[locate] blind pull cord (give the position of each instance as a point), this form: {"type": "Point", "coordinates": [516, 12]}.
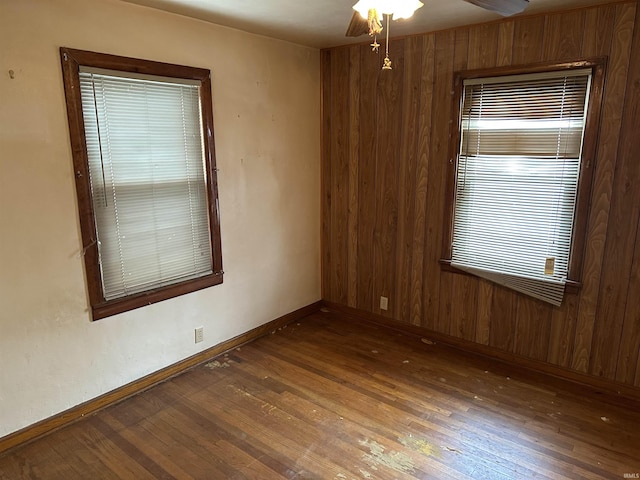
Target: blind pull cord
{"type": "Point", "coordinates": [95, 107]}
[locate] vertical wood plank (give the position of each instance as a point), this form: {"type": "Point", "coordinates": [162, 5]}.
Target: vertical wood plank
{"type": "Point", "coordinates": [621, 234]}
{"type": "Point", "coordinates": [407, 178]}
{"type": "Point", "coordinates": [620, 33]}
{"type": "Point", "coordinates": [367, 195]}
{"type": "Point", "coordinates": [598, 29]}
{"type": "Point", "coordinates": [464, 307]}
{"type": "Point", "coordinates": [483, 46]}
{"type": "Point", "coordinates": [630, 345]}
{"type": "Point", "coordinates": [563, 328]}
{"type": "Point", "coordinates": [443, 321]}
{"type": "Point", "coordinates": [626, 371]}
{"type": "Point", "coordinates": [423, 156]}
{"type": "Point", "coordinates": [389, 121]}
{"type": "Point", "coordinates": [505, 43]}
{"type": "Point", "coordinates": [483, 313]}
{"type": "Point", "coordinates": [503, 319]}
{"type": "Point", "coordinates": [339, 173]}
{"type": "Point", "coordinates": [325, 65]}
{"type": "Point", "coordinates": [563, 35]}
{"type": "Point", "coordinates": [354, 157]}
{"type": "Point", "coordinates": [528, 40]}
{"type": "Point", "coordinates": [532, 333]}
{"type": "Point", "coordinates": [439, 161]}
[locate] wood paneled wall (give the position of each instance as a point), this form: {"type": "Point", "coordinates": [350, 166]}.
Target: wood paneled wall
{"type": "Point", "coordinates": [385, 162]}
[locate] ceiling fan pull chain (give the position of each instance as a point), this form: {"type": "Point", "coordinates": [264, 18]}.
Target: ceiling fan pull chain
{"type": "Point", "coordinates": [386, 65]}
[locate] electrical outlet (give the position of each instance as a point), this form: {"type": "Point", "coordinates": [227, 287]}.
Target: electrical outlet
{"type": "Point", "coordinates": [384, 303]}
{"type": "Point", "coordinates": [199, 334]}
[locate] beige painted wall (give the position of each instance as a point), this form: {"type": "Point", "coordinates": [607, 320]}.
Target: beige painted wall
{"type": "Point", "coordinates": [267, 129]}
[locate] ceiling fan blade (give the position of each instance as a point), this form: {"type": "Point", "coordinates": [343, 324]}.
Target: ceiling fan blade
{"type": "Point", "coordinates": [505, 8]}
{"type": "Point", "coordinates": [358, 26]}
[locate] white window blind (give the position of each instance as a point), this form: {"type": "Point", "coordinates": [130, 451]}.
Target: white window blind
{"type": "Point", "coordinates": [517, 179]}
{"type": "Point", "coordinates": [148, 180]}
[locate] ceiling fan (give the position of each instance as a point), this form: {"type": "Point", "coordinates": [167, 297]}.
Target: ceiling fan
{"type": "Point", "coordinates": [369, 14]}
{"type": "Point", "coordinates": [361, 22]}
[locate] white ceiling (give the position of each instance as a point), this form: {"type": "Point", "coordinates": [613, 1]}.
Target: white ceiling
{"type": "Point", "coordinates": [322, 23]}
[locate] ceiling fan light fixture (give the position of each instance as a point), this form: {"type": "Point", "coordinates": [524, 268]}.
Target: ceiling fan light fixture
{"type": "Point", "coordinates": [374, 10]}
{"type": "Point", "coordinates": [396, 8]}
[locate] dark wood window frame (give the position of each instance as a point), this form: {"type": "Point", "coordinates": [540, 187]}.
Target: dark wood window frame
{"type": "Point", "coordinates": [589, 153]}
{"type": "Point", "coordinates": [72, 60]}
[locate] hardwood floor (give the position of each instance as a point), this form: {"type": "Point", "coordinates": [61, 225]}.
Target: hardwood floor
{"type": "Point", "coordinates": [333, 398]}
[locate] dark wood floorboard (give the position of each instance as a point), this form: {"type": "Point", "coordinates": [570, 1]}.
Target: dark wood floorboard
{"type": "Point", "coordinates": [335, 398]}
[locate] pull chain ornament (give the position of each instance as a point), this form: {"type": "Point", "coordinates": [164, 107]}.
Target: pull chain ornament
{"type": "Point", "coordinates": [386, 64]}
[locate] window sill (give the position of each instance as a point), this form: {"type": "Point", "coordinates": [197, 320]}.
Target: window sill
{"type": "Point", "coordinates": [121, 305]}
{"type": "Point", "coordinates": [445, 265]}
